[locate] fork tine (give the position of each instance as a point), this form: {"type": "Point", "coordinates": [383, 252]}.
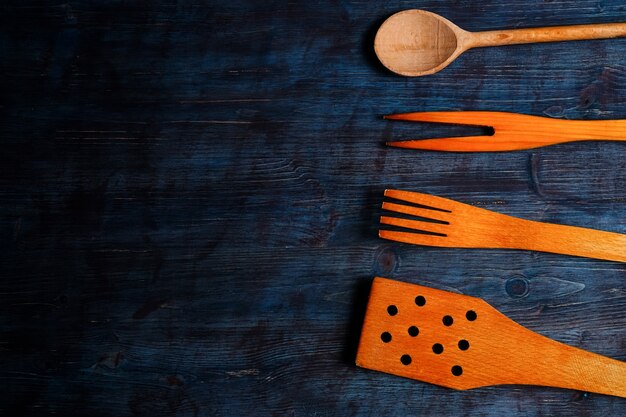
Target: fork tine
{"type": "Point", "coordinates": [467, 118]}
{"type": "Point", "coordinates": [437, 203]}
{"type": "Point", "coordinates": [413, 238]}
{"type": "Point", "coordinates": [429, 227]}
{"type": "Point", "coordinates": [415, 211]}
{"type": "Point", "coordinates": [453, 144]}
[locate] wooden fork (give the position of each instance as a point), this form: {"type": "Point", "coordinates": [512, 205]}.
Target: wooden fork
{"type": "Point", "coordinates": [458, 225]}
{"type": "Point", "coordinates": [511, 131]}
{"type": "Point", "coordinates": [462, 342]}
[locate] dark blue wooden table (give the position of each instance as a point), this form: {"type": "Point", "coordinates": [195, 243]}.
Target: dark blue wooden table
{"type": "Point", "coordinates": [190, 194]}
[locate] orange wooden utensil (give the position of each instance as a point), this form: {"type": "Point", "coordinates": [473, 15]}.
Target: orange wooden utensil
{"type": "Point", "coordinates": [417, 42]}
{"type": "Point", "coordinates": [512, 131]}
{"type": "Point", "coordinates": [447, 223]}
{"type": "Point", "coordinates": [462, 342]}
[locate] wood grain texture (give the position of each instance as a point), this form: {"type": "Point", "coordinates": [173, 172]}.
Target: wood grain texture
{"type": "Point", "coordinates": [190, 194]}
{"type": "Point", "coordinates": [462, 342]}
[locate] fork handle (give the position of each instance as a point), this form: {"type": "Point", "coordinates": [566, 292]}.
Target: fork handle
{"type": "Point", "coordinates": [572, 240]}
{"type": "Point", "coordinates": [570, 130]}
{"type": "Point", "coordinates": [526, 132]}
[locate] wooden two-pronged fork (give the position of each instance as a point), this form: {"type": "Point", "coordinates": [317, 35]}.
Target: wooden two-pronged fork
{"type": "Point", "coordinates": [511, 131]}
{"type": "Point", "coordinates": [448, 223]}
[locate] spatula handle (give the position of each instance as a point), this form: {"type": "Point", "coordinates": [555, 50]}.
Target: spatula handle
{"type": "Point", "coordinates": [587, 371]}
{"type": "Point", "coordinates": [551, 363]}
{"type": "Point", "coordinates": [571, 240]}
{"type": "Point", "coordinates": [547, 34]}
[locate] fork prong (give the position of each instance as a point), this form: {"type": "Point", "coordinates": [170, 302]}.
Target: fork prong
{"type": "Point", "coordinates": [413, 238]}
{"type": "Point", "coordinates": [467, 118]}
{"type": "Point", "coordinates": [416, 211]}
{"type": "Point", "coordinates": [437, 203]}
{"type": "Point", "coordinates": [429, 227]}
{"type": "Point", "coordinates": [456, 144]}
{"type": "Point", "coordinates": [510, 131]}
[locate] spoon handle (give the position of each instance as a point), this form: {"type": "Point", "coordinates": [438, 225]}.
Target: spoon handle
{"type": "Point", "coordinates": [546, 34]}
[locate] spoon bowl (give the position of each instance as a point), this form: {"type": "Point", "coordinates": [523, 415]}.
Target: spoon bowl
{"type": "Point", "coordinates": [417, 42]}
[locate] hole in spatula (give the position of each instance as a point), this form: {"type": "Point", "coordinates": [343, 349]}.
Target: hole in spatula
{"type": "Point", "coordinates": [464, 344]}
{"type": "Point", "coordinates": [438, 348]}
{"type": "Point", "coordinates": [413, 331]}
{"type": "Point", "coordinates": [406, 360]}
{"type": "Point", "coordinates": [420, 301]}
{"type": "Point", "coordinates": [457, 370]}
{"type": "Point", "coordinates": [447, 320]}
{"type": "Point", "coordinates": [471, 315]}
{"type": "Point", "coordinates": [385, 337]}
{"type": "Point", "coordinates": [392, 310]}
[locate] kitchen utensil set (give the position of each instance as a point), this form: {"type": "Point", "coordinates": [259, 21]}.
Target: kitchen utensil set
{"type": "Point", "coordinates": [455, 340]}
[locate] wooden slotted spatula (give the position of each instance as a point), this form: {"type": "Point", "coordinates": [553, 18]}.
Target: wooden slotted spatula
{"type": "Point", "coordinates": [462, 342]}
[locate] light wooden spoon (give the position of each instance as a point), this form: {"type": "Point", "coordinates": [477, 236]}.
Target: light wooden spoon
{"type": "Point", "coordinates": [417, 42]}
{"type": "Point", "coordinates": [462, 342]}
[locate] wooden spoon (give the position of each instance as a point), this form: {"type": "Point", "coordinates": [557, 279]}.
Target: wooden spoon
{"type": "Point", "coordinates": [417, 42]}
{"type": "Point", "coordinates": [462, 342]}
